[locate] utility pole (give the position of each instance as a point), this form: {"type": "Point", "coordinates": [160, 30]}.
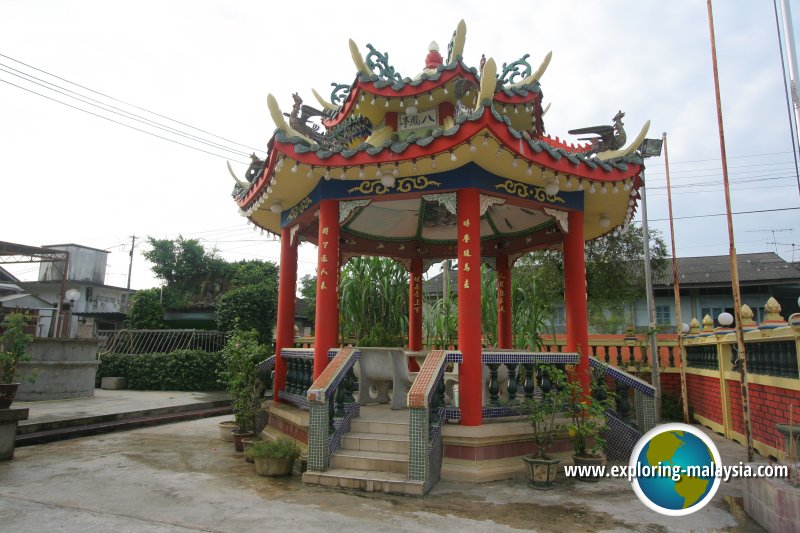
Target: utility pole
{"type": "Point", "coordinates": [788, 35]}
{"type": "Point", "coordinates": [676, 285]}
{"type": "Point", "coordinates": [130, 263]}
{"type": "Point", "coordinates": [650, 148]}
{"type": "Point", "coordinates": [737, 297]}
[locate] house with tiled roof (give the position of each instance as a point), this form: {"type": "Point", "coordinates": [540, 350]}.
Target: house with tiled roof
{"type": "Point", "coordinates": [705, 287]}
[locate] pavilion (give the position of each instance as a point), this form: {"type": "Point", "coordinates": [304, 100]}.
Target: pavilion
{"type": "Point", "coordinates": [452, 163]}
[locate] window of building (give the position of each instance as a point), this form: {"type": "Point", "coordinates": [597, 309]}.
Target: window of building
{"type": "Point", "coordinates": [663, 315]}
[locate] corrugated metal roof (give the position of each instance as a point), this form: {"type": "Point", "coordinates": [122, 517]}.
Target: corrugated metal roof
{"type": "Point", "coordinates": [436, 284]}
{"type": "Point", "coordinates": [754, 269]}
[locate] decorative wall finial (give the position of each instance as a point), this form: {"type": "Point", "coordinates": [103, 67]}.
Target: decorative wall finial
{"type": "Point", "coordinates": [708, 324]}
{"type": "Point", "coordinates": [748, 323]}
{"type": "Point", "coordinates": [694, 327]}
{"type": "Point", "coordinates": [772, 318]}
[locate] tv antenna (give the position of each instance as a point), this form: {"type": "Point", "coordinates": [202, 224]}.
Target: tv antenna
{"type": "Point", "coordinates": [774, 241]}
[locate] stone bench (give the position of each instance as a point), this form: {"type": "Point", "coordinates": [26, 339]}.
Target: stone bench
{"type": "Point", "coordinates": [380, 369]}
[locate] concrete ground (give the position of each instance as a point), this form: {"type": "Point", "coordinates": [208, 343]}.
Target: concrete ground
{"type": "Point", "coordinates": [183, 477]}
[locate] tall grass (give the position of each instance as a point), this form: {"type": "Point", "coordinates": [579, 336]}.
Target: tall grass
{"type": "Point", "coordinates": [373, 304]}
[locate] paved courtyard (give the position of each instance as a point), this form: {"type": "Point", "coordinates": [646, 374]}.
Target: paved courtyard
{"type": "Point", "coordinates": [182, 477]}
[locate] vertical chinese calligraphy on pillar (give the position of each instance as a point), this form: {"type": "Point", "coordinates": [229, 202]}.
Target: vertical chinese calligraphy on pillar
{"type": "Point", "coordinates": [327, 312]}
{"type": "Point", "coordinates": [415, 306]}
{"type": "Point", "coordinates": [504, 333]}
{"type": "Point", "coordinates": [469, 307]}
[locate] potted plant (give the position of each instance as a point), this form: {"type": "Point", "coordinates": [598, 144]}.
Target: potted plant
{"type": "Point", "coordinates": [226, 429]}
{"type": "Point", "coordinates": [274, 458]}
{"type": "Point", "coordinates": [241, 354]}
{"type": "Point", "coordinates": [587, 423]}
{"type": "Point", "coordinates": [13, 350]}
{"type": "Point", "coordinates": [544, 417]}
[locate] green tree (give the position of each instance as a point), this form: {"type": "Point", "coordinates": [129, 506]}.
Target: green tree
{"type": "Point", "coordinates": [254, 272]}
{"type": "Point", "coordinates": [195, 276]}
{"type": "Point", "coordinates": [308, 290]}
{"type": "Point", "coordinates": [249, 307]}
{"type": "Point", "coordinates": [615, 276]}
{"type": "Point", "coordinates": [146, 311]}
{"type": "Point", "coordinates": [180, 263]}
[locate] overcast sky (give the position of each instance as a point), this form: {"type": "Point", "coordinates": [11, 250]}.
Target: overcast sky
{"type": "Point", "coordinates": [69, 176]}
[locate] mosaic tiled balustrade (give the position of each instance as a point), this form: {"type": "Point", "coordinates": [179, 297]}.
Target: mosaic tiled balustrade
{"type": "Point", "coordinates": [408, 451]}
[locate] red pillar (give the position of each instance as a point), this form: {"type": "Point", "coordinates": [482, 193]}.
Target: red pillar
{"type": "Point", "coordinates": [326, 325]}
{"type": "Point", "coordinates": [287, 287]}
{"type": "Point", "coordinates": [575, 295]}
{"type": "Point", "coordinates": [469, 307]}
{"type": "Point", "coordinates": [505, 338]}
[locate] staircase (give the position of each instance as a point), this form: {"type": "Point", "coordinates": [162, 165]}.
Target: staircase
{"type": "Point", "coordinates": [373, 456]}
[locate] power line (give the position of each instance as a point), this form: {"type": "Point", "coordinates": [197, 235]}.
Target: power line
{"type": "Point", "coordinates": [716, 188]}
{"type": "Point", "coordinates": [747, 179]}
{"type": "Point", "coordinates": [131, 105]}
{"type": "Point", "coordinates": [716, 169]}
{"type": "Point", "coordinates": [118, 122]}
{"type": "Point", "coordinates": [724, 214]}
{"type": "Point", "coordinates": [111, 109]}
{"type": "Point", "coordinates": [655, 163]}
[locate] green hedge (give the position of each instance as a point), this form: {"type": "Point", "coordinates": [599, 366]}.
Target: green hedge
{"type": "Point", "coordinates": [188, 370]}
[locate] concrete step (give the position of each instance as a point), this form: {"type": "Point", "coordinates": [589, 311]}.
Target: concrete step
{"type": "Point", "coordinates": [97, 425]}
{"type": "Point", "coordinates": [81, 420]}
{"type": "Point", "coordinates": [361, 425]}
{"type": "Point", "coordinates": [375, 442]}
{"type": "Point", "coordinates": [366, 460]}
{"type": "Point", "coordinates": [366, 480]}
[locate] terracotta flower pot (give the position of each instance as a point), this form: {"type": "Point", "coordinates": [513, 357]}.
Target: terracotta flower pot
{"type": "Point", "coordinates": [8, 391]}
{"type": "Point", "coordinates": [237, 439]}
{"type": "Point", "coordinates": [226, 430]}
{"type": "Point", "coordinates": [588, 461]}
